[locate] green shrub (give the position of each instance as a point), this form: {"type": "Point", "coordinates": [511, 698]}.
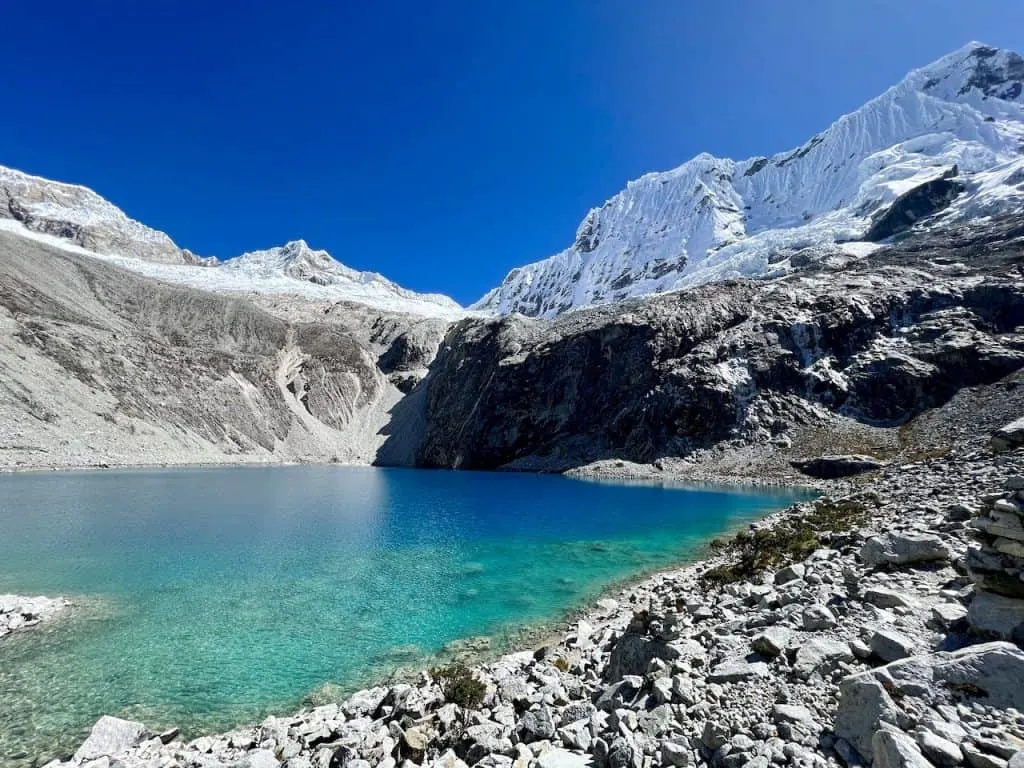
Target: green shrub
{"type": "Point", "coordinates": [787, 541]}
{"type": "Point", "coordinates": [460, 685]}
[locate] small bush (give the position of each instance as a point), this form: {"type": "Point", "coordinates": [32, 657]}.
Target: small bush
{"type": "Point", "coordinates": [785, 542]}
{"type": "Point", "coordinates": [460, 685]}
{"type": "Point", "coordinates": [561, 664]}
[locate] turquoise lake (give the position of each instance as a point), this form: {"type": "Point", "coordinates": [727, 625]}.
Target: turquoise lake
{"type": "Point", "coordinates": [207, 598]}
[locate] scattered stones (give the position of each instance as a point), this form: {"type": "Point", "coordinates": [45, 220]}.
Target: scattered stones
{"type": "Point", "coordinates": [938, 750]}
{"type": "Point", "coordinates": [996, 615]}
{"type": "Point", "coordinates": [889, 645]}
{"type": "Point", "coordinates": [1008, 436]}
{"type": "Point", "coordinates": [893, 749]}
{"type": "Point", "coordinates": [737, 671]}
{"type": "Point", "coordinates": [821, 656]}
{"type": "Point", "coordinates": [818, 617]}
{"type": "Point", "coordinates": [111, 736]}
{"type": "Point", "coordinates": [772, 641]}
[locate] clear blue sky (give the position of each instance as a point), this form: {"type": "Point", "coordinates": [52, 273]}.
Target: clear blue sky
{"type": "Point", "coordinates": [438, 142]}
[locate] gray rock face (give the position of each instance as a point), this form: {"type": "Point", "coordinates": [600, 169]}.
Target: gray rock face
{"type": "Point", "coordinates": [737, 671]}
{"type": "Point", "coordinates": [997, 615]}
{"type": "Point", "coordinates": [535, 725]}
{"type": "Point", "coordinates": [940, 751]}
{"type": "Point", "coordinates": [995, 669]}
{"type": "Point", "coordinates": [110, 737]}
{"type": "Point", "coordinates": [632, 654]}
{"type": "Point", "coordinates": [918, 203]}
{"type": "Point", "coordinates": [1009, 436]}
{"type": "Point", "coordinates": [818, 617]}
{"type": "Point", "coordinates": [772, 641]}
{"type": "Point", "coordinates": [117, 368]}
{"type": "Point", "coordinates": [820, 655]}
{"type": "Point", "coordinates": [904, 549]}
{"type": "Point", "coordinates": [889, 645]}
{"type": "Point", "coordinates": [896, 750]}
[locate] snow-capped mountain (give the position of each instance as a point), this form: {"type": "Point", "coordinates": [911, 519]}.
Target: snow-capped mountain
{"type": "Point", "coordinates": [75, 217]}
{"type": "Point", "coordinates": [82, 217]}
{"type": "Point", "coordinates": [296, 261]}
{"type": "Point", "coordinates": [713, 218]}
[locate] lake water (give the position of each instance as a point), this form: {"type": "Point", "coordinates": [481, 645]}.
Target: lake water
{"type": "Point", "coordinates": [209, 598]}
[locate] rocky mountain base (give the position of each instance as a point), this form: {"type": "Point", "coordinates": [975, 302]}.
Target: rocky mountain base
{"type": "Point", "coordinates": [843, 631]}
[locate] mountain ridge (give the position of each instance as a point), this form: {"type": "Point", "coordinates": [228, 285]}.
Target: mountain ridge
{"type": "Point", "coordinates": [713, 218]}
{"type": "Point", "coordinates": [72, 215]}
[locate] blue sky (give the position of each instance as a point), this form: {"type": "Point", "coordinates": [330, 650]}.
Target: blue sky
{"type": "Point", "coordinates": [438, 142]}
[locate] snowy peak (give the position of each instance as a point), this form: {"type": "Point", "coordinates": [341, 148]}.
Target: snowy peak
{"type": "Point", "coordinates": [714, 218]}
{"type": "Point", "coordinates": [976, 69]}
{"type": "Point", "coordinates": [82, 217]}
{"type": "Point", "coordinates": [296, 261]}
{"type": "Point", "coordinates": [75, 217]}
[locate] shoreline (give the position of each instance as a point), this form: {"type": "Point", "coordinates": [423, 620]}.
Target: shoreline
{"type": "Point", "coordinates": [533, 638]}
{"type": "Point", "coordinates": [525, 636]}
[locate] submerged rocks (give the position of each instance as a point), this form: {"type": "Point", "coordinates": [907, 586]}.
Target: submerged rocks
{"type": "Point", "coordinates": [17, 612]}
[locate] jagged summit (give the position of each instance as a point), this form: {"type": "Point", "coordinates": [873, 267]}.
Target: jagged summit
{"type": "Point", "coordinates": [714, 218]}
{"type": "Point", "coordinates": [296, 260]}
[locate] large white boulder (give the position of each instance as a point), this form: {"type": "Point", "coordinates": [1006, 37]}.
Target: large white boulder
{"type": "Point", "coordinates": [111, 736]}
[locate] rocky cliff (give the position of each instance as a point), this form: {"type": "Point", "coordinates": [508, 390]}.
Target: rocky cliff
{"type": "Point", "coordinates": [848, 351]}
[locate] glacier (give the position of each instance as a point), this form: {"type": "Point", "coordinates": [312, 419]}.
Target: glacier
{"type": "Point", "coordinates": [713, 219]}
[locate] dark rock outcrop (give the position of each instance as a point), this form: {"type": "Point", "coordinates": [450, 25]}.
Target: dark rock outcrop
{"type": "Point", "coordinates": [912, 206]}
{"type": "Point", "coordinates": [877, 343]}
{"type": "Point", "coordinates": [831, 467]}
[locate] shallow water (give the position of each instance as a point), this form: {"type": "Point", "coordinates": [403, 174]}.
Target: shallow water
{"type": "Point", "coordinates": [208, 598]}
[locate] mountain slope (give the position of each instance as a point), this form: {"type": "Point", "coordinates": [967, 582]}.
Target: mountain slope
{"type": "Point", "coordinates": [82, 217]}
{"type": "Point", "coordinates": [101, 365]}
{"type": "Point", "coordinates": [713, 218]}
